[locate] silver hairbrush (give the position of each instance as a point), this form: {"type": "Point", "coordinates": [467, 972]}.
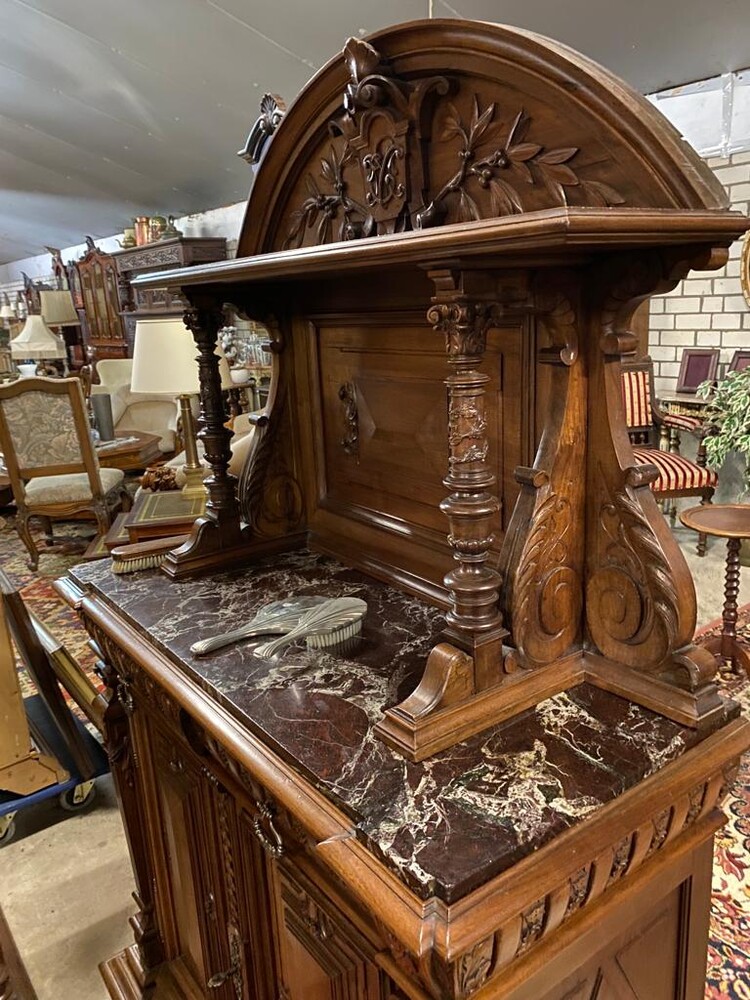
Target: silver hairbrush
{"type": "Point", "coordinates": [275, 618]}
{"type": "Point", "coordinates": [337, 620]}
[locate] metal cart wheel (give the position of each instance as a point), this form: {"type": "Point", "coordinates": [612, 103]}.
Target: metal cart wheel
{"type": "Point", "coordinates": [78, 798]}
{"type": "Point", "coordinates": [7, 828]}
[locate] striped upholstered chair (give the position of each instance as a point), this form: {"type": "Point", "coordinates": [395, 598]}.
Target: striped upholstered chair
{"type": "Point", "coordinates": [678, 476]}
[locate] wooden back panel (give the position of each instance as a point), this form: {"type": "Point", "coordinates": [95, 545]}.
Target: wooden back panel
{"type": "Point", "coordinates": [375, 412]}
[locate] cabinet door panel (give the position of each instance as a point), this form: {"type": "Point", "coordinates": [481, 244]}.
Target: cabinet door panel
{"type": "Point", "coordinates": [397, 374]}
{"type": "Point", "coordinates": [188, 812]}
{"type": "Point", "coordinates": [260, 949]}
{"type": "Point", "coordinates": [322, 955]}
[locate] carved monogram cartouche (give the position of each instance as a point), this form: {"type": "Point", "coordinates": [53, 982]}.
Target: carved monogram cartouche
{"type": "Point", "coordinates": [375, 176]}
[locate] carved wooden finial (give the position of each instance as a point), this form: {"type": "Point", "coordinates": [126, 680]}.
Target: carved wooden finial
{"type": "Point", "coordinates": [272, 110]}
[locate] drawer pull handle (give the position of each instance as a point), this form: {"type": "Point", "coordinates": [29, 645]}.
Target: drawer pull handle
{"type": "Point", "coordinates": [219, 978]}
{"type": "Point", "coordinates": [272, 844]}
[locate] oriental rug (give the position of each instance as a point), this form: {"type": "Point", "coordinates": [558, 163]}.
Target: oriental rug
{"type": "Point", "coordinates": [729, 944]}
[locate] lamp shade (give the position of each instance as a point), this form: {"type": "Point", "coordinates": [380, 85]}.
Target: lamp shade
{"type": "Point", "coordinates": [7, 311]}
{"type": "Point", "coordinates": [36, 340]}
{"type": "Point", "coordinates": [58, 309]}
{"type": "Point", "coordinates": [164, 358]}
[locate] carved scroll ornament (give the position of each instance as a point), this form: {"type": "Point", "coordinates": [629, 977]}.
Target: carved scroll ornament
{"type": "Point", "coordinates": [272, 110]}
{"type": "Point", "coordinates": [640, 601]}
{"type": "Point", "coordinates": [633, 589]}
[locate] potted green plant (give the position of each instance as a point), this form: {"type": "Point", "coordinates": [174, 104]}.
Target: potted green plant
{"type": "Point", "coordinates": [727, 427]}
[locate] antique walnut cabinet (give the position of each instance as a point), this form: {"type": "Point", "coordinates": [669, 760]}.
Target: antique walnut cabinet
{"type": "Point", "coordinates": [509, 785]}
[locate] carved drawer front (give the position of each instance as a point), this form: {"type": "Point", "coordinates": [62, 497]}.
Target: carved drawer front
{"type": "Point", "coordinates": [385, 413]}
{"type": "Point", "coordinates": [193, 845]}
{"type": "Point", "coordinates": [323, 955]}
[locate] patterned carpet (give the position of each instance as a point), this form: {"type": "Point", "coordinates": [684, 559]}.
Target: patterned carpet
{"type": "Point", "coordinates": [729, 947]}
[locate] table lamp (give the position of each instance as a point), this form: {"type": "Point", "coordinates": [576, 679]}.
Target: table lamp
{"type": "Point", "coordinates": [7, 312]}
{"type": "Point", "coordinates": [36, 342]}
{"type": "Point", "coordinates": [164, 363]}
{"type": "Point", "coordinates": [57, 308]}
{"type": "Point", "coordinates": [7, 317]}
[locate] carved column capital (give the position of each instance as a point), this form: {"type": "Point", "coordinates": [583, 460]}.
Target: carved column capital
{"type": "Point", "coordinates": [464, 323]}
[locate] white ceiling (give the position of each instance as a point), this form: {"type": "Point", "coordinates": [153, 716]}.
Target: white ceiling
{"type": "Point", "coordinates": [113, 108]}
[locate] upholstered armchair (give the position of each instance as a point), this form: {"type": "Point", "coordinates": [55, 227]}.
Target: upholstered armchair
{"type": "Point", "coordinates": [50, 460]}
{"type": "Point", "coordinates": [135, 411]}
{"type": "Point", "coordinates": [678, 476]}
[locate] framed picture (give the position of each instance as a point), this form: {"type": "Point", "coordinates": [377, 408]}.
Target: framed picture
{"type": "Point", "coordinates": [699, 364]}
{"type": "Point", "coordinates": [740, 361]}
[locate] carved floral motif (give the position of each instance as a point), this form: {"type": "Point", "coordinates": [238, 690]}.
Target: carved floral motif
{"type": "Point", "coordinates": [375, 180]}
{"type": "Point", "coordinates": [474, 967]}
{"type": "Point", "coordinates": [513, 160]}
{"type": "Point", "coordinates": [620, 858]}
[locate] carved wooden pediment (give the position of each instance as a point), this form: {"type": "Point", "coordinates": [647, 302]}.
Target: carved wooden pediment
{"type": "Point", "coordinates": [394, 139]}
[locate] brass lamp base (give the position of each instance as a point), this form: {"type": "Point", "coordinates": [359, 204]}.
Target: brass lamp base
{"type": "Point", "coordinates": [193, 481]}
{"type": "Point", "coordinates": [192, 469]}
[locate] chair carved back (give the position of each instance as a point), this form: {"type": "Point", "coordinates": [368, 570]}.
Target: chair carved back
{"type": "Point", "coordinates": [637, 381]}
{"type": "Point", "coordinates": [44, 431]}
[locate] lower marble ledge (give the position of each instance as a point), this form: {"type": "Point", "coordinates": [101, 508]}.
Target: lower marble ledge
{"type": "Point", "coordinates": [445, 825]}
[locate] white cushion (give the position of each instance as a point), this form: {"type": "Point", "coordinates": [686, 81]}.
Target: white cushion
{"type": "Point", "coordinates": [71, 488]}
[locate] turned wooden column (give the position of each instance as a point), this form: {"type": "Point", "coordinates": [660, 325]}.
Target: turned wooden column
{"type": "Point", "coordinates": [220, 530]}
{"type": "Point", "coordinates": [204, 321]}
{"type": "Point", "coordinates": [474, 622]}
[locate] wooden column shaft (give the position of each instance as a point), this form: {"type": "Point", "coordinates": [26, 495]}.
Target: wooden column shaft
{"type": "Point", "coordinates": [474, 622]}
{"type": "Point", "coordinates": [204, 322]}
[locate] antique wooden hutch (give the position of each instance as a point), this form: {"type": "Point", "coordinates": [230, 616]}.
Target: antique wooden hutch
{"type": "Point", "coordinates": [509, 789]}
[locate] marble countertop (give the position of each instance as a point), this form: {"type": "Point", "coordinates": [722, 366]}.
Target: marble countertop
{"type": "Point", "coordinates": [445, 825]}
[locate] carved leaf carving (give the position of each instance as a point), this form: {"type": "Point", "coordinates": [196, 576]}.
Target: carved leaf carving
{"type": "Point", "coordinates": [392, 160]}
{"type": "Point", "coordinates": [631, 599]}
{"type": "Point", "coordinates": [474, 967]}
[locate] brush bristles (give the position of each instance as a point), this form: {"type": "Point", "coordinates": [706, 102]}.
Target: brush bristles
{"type": "Point", "coordinates": [323, 639]}
{"type": "Point", "coordinates": [134, 565]}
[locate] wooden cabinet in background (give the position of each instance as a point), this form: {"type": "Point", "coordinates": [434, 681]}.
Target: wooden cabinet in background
{"type": "Point", "coordinates": [182, 251]}
{"type": "Point", "coordinates": [93, 284]}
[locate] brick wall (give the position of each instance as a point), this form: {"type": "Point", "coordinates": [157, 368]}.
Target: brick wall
{"type": "Point", "coordinates": [707, 309]}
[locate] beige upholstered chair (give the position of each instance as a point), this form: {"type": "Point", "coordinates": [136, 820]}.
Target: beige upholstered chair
{"type": "Point", "coordinates": [136, 411]}
{"type": "Point", "coordinates": [678, 476]}
{"type": "Point", "coordinates": [51, 463]}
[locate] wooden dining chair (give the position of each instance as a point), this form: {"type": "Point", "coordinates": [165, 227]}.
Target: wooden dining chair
{"type": "Point", "coordinates": [50, 459]}
{"type": "Point", "coordinates": [678, 476]}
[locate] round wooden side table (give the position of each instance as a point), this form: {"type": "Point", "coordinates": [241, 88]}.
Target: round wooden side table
{"type": "Point", "coordinates": [730, 521]}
